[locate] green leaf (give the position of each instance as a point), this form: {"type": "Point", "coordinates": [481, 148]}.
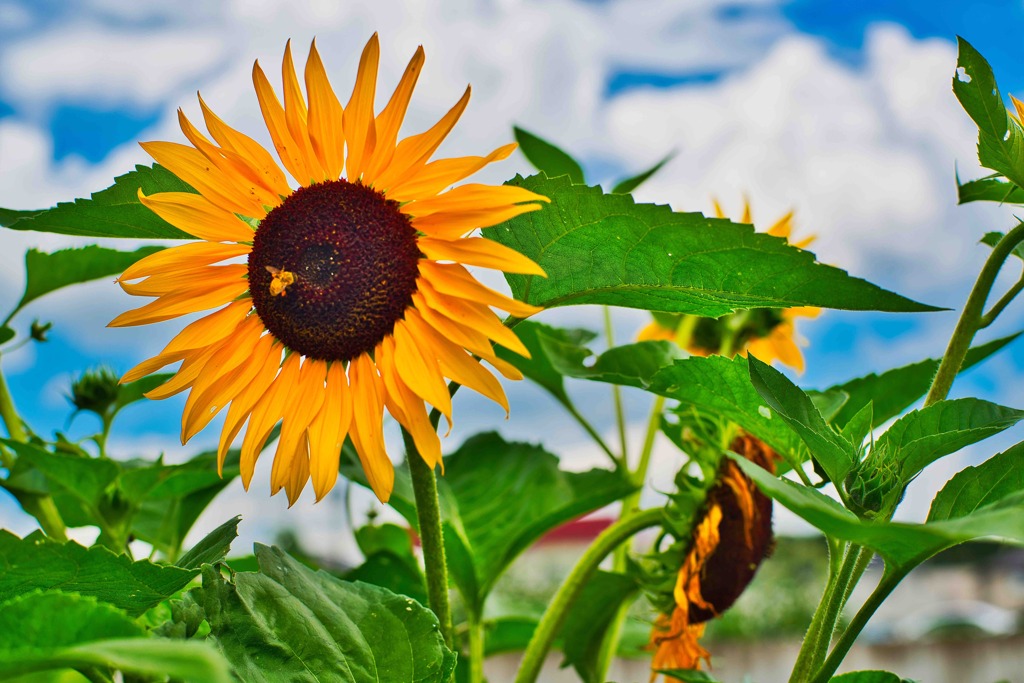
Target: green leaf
{"type": "Point", "coordinates": [508, 634]}
{"type": "Point", "coordinates": [399, 573]}
{"type": "Point", "coordinates": [291, 624]}
{"type": "Point", "coordinates": [54, 630]}
{"type": "Point", "coordinates": [902, 545]}
{"type": "Point", "coordinates": [923, 436]}
{"type": "Point", "coordinates": [46, 273]}
{"type": "Point", "coordinates": [35, 562]}
{"type": "Point", "coordinates": [631, 364]}
{"type": "Point", "coordinates": [991, 239]}
{"type": "Point", "coordinates": [113, 212]}
{"type": "Point", "coordinates": [606, 249]}
{"type": "Point", "coordinates": [83, 478]}
{"type": "Point", "coordinates": [627, 185]}
{"type": "Point", "coordinates": [547, 157]}
{"type": "Point", "coordinates": [6, 334]}
{"type": "Point", "coordinates": [869, 677]}
{"type": "Point", "coordinates": [590, 617]}
{"type": "Point", "coordinates": [1000, 138]}
{"type": "Point", "coordinates": [989, 190]}
{"type": "Point", "coordinates": [136, 391]}
{"type": "Point", "coordinates": [895, 390]}
{"type": "Point", "coordinates": [213, 548]}
{"type": "Point", "coordinates": [374, 538]}
{"type": "Point", "coordinates": [833, 453]}
{"type": "Point", "coordinates": [537, 338]}
{"type": "Point", "coordinates": [688, 675]}
{"type": "Point", "coordinates": [975, 487]}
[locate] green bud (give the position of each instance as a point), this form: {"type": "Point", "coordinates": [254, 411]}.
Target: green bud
{"type": "Point", "coordinates": [875, 487]}
{"type": "Point", "coordinates": [39, 330]}
{"type": "Point", "coordinates": [95, 391]}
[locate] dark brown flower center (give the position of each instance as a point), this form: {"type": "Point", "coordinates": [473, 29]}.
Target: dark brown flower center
{"type": "Point", "coordinates": [332, 269]}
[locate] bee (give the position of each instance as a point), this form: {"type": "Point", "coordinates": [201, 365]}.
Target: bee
{"type": "Point", "coordinates": [282, 279]}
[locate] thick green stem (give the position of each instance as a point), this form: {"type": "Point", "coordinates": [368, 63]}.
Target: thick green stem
{"type": "Point", "coordinates": [9, 413]}
{"type": "Point", "coordinates": [620, 415]}
{"type": "Point", "coordinates": [878, 596]}
{"type": "Point", "coordinates": [428, 514]}
{"type": "Point", "coordinates": [973, 317]}
{"type": "Point", "coordinates": [476, 649]}
{"type": "Point", "coordinates": [555, 614]}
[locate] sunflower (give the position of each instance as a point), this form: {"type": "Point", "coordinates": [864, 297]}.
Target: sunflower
{"type": "Point", "coordinates": [353, 297]}
{"type": "Point", "coordinates": [767, 333]}
{"type": "Point", "coordinates": [730, 538]}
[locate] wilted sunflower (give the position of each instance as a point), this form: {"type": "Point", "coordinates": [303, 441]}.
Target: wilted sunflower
{"type": "Point", "coordinates": [730, 538]}
{"type": "Point", "coordinates": [353, 297]}
{"type": "Point", "coordinates": [767, 333]}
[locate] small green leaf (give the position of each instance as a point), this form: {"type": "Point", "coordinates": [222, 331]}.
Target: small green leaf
{"type": "Point", "coordinates": [991, 189]}
{"type": "Point", "coordinates": [590, 617]}
{"type": "Point", "coordinates": [113, 212]}
{"type": "Point", "coordinates": [991, 239]}
{"type": "Point", "coordinates": [895, 390]}
{"type": "Point", "coordinates": [975, 487]}
{"type": "Point", "coordinates": [6, 334]}
{"type": "Point", "coordinates": [55, 630]}
{"type": "Point", "coordinates": [832, 452]}
{"type": "Point", "coordinates": [46, 273]}
{"type": "Point", "coordinates": [869, 677]}
{"type": "Point", "coordinates": [902, 545]}
{"type": "Point", "coordinates": [547, 157]}
{"type": "Point", "coordinates": [289, 624]}
{"type": "Point", "coordinates": [627, 185]}
{"type": "Point", "coordinates": [136, 391]}
{"type": "Point", "coordinates": [1000, 138]}
{"type": "Point", "coordinates": [508, 634]}
{"type": "Point", "coordinates": [35, 562]}
{"type": "Point", "coordinates": [630, 365]}
{"type": "Point", "coordinates": [213, 548]}
{"type": "Point", "coordinates": [601, 248]}
{"type": "Point", "coordinates": [923, 436]}
{"type": "Point", "coordinates": [688, 675]}
{"type": "Point", "coordinates": [537, 338]}
{"type": "Point", "coordinates": [374, 538]}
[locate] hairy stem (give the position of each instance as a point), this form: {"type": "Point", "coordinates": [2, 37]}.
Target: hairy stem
{"type": "Point", "coordinates": [973, 317]}
{"type": "Point", "coordinates": [476, 649]}
{"type": "Point", "coordinates": [620, 415]}
{"type": "Point", "coordinates": [428, 515]}
{"type": "Point", "coordinates": [555, 614]}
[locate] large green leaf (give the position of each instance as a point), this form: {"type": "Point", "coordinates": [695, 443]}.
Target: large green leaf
{"type": "Point", "coordinates": [290, 624]}
{"type": "Point", "coordinates": [902, 545]}
{"type": "Point", "coordinates": [601, 248]}
{"type": "Point", "coordinates": [923, 436]}
{"type": "Point", "coordinates": [36, 562]}
{"type": "Point", "coordinates": [998, 478]}
{"type": "Point", "coordinates": [547, 157]}
{"type": "Point", "coordinates": [869, 677]}
{"type": "Point", "coordinates": [989, 190]}
{"type": "Point", "coordinates": [830, 450]}
{"type": "Point", "coordinates": [45, 272]}
{"type": "Point", "coordinates": [587, 623]}
{"type": "Point", "coordinates": [537, 337]}
{"type": "Point", "coordinates": [55, 630]}
{"type": "Point", "coordinates": [113, 212]}
{"type": "Point", "coordinates": [895, 390]}
{"type": "Point", "coordinates": [1000, 138]}
{"type": "Point", "coordinates": [214, 547]}
{"type": "Point", "coordinates": [81, 478]}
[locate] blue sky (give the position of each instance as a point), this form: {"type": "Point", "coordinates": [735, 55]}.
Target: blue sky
{"type": "Point", "coordinates": [840, 110]}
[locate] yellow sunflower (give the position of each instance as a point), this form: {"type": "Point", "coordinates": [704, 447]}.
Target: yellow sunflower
{"type": "Point", "coordinates": [768, 333]}
{"type": "Point", "coordinates": [354, 296]}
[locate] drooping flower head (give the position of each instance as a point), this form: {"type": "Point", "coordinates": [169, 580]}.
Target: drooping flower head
{"type": "Point", "coordinates": [354, 296]}
{"type": "Point", "coordinates": [767, 333]}
{"type": "Point", "coordinates": [729, 539]}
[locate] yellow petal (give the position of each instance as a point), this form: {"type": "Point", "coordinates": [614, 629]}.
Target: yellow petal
{"type": "Point", "coordinates": [194, 168]}
{"type": "Point", "coordinates": [454, 280]}
{"type": "Point", "coordinates": [472, 197]}
{"type": "Point", "coordinates": [303, 405]}
{"type": "Point", "coordinates": [183, 257]}
{"type": "Point", "coordinates": [198, 217]}
{"type": "Point", "coordinates": [405, 406]}
{"type": "Point", "coordinates": [718, 208]}
{"type": "Point", "coordinates": [413, 152]}
{"type": "Point", "coordinates": [328, 430]}
{"type": "Point", "coordinates": [195, 280]}
{"type": "Point", "coordinates": [243, 145]}
{"type": "Point", "coordinates": [366, 429]}
{"type": "Point", "coordinates": [151, 365]}
{"type": "Point", "coordinates": [175, 305]}
{"type": "Point", "coordinates": [360, 129]}
{"type": "Point", "coordinates": [782, 227]}
{"type": "Point", "coordinates": [428, 180]}
{"type": "Point", "coordinates": [390, 120]}
{"type": "Point", "coordinates": [479, 251]}
{"type": "Point", "coordinates": [451, 226]}
{"type": "Point", "coordinates": [210, 328]}
{"type": "Point", "coordinates": [190, 368]}
{"type": "Point", "coordinates": [418, 368]}
{"type": "Point", "coordinates": [246, 400]}
{"type": "Point", "coordinates": [747, 217]}
{"type": "Point", "coordinates": [326, 134]}
{"type": "Point", "coordinates": [465, 336]}
{"type": "Point", "coordinates": [265, 414]}
{"type": "Point", "coordinates": [474, 316]}
{"type": "Point", "coordinates": [295, 114]}
{"type": "Point", "coordinates": [298, 472]}
{"type": "Point", "coordinates": [288, 149]}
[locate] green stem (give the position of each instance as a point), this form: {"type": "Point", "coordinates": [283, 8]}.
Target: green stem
{"type": "Point", "coordinates": [476, 649]}
{"type": "Point", "coordinates": [803, 666]}
{"type": "Point", "coordinates": [589, 429]}
{"type": "Point", "coordinates": [882, 590]}
{"type": "Point", "coordinates": [555, 614]}
{"type": "Point", "coordinates": [973, 317]}
{"type": "Point", "coordinates": [428, 514]}
{"type": "Point", "coordinates": [9, 413]}
{"type": "Point", "coordinates": [620, 415]}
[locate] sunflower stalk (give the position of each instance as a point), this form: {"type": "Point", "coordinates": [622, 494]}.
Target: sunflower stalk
{"type": "Point", "coordinates": [556, 613]}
